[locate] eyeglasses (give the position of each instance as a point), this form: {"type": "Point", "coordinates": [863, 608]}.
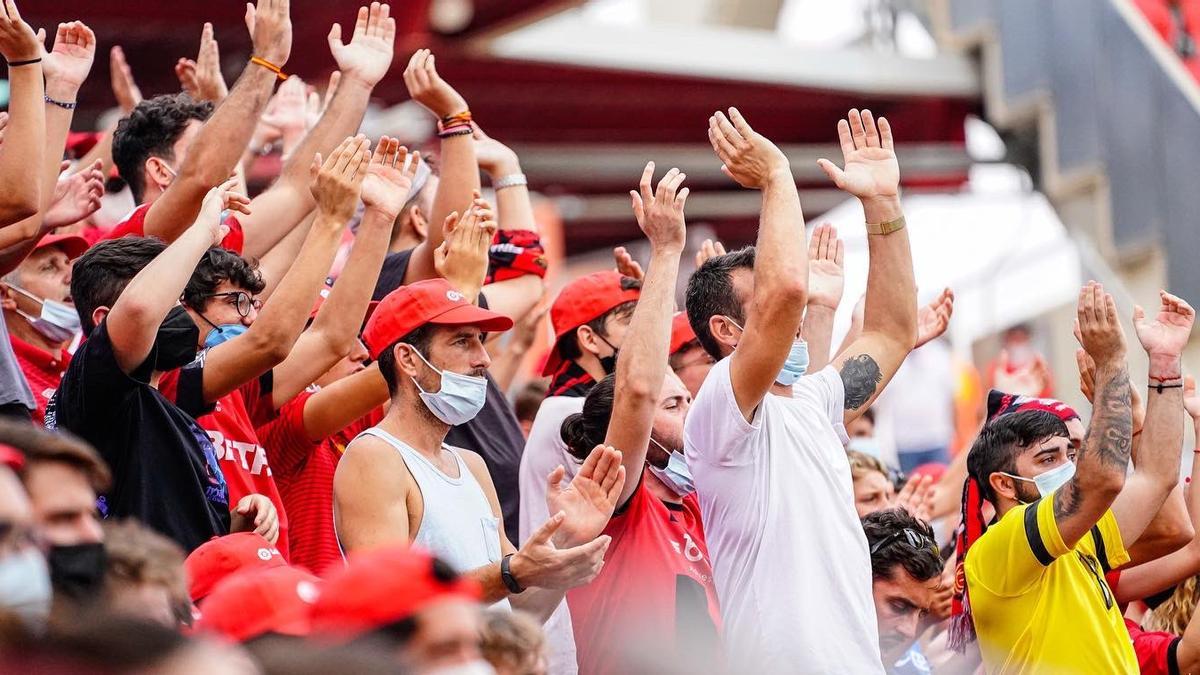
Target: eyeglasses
{"type": "Point", "coordinates": [243, 301]}
{"type": "Point", "coordinates": [912, 537]}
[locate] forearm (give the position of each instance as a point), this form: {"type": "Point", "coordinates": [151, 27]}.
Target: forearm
{"type": "Point", "coordinates": [1104, 456]}
{"type": "Point", "coordinates": [1162, 435]}
{"type": "Point", "coordinates": [337, 406]}
{"type": "Point", "coordinates": [285, 315]}
{"type": "Point", "coordinates": [891, 304]}
{"type": "Point", "coordinates": [275, 264]}
{"type": "Point", "coordinates": [514, 209]}
{"type": "Point", "coordinates": [540, 602]}
{"type": "Point", "coordinates": [781, 257]}
{"type": "Point", "coordinates": [455, 192]}
{"type": "Point", "coordinates": [818, 333]}
{"type": "Point", "coordinates": [24, 145]}
{"type": "Point", "coordinates": [344, 309]}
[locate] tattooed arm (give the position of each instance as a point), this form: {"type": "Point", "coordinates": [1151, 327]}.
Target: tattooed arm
{"type": "Point", "coordinates": [1104, 456]}
{"type": "Point", "coordinates": [1157, 470]}
{"type": "Point", "coordinates": [890, 319]}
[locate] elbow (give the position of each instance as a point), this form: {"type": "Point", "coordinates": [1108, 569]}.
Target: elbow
{"type": "Point", "coordinates": [635, 392]}
{"type": "Point", "coordinates": [272, 345]}
{"type": "Point", "coordinates": [787, 294]}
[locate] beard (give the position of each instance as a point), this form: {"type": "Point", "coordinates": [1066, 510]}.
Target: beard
{"type": "Point", "coordinates": [1027, 493]}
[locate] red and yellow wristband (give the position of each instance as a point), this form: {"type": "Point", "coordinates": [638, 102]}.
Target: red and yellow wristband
{"type": "Point", "coordinates": [259, 61]}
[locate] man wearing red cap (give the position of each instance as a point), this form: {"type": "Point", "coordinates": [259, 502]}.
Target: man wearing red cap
{"type": "Point", "coordinates": [257, 602]}
{"type": "Point", "coordinates": [687, 357]}
{"type": "Point", "coordinates": [221, 557]}
{"type": "Point", "coordinates": [400, 482]}
{"type": "Point", "coordinates": [41, 319]}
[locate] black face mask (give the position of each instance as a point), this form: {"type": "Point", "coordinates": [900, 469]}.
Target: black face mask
{"type": "Point", "coordinates": [175, 343]}
{"type": "Point", "coordinates": [608, 363]}
{"type": "Point", "coordinates": [77, 572]}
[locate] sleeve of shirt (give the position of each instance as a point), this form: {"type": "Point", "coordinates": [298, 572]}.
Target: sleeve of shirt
{"type": "Point", "coordinates": [94, 382]}
{"type": "Point", "coordinates": [715, 429]}
{"type": "Point", "coordinates": [826, 390]}
{"type": "Point", "coordinates": [286, 439]}
{"type": "Point", "coordinates": [1104, 542]}
{"type": "Point", "coordinates": [1014, 552]}
{"type": "Point", "coordinates": [185, 386]}
{"type": "Point", "coordinates": [259, 402]}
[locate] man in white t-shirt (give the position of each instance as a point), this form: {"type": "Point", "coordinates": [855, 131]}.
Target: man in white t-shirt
{"type": "Point", "coordinates": [764, 445]}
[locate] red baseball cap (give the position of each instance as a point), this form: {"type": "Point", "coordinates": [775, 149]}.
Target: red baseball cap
{"type": "Point", "coordinates": [11, 457]}
{"type": "Point", "coordinates": [431, 301]}
{"type": "Point", "coordinates": [252, 602]}
{"type": "Point", "coordinates": [324, 295]}
{"type": "Point", "coordinates": [80, 142]}
{"type": "Point", "coordinates": [681, 332]}
{"type": "Point", "coordinates": [586, 298]}
{"type": "Point", "coordinates": [220, 557]}
{"type": "Point", "coordinates": [383, 586]}
{"type": "Point", "coordinates": [71, 244]}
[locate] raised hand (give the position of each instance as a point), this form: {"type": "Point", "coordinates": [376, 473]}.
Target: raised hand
{"type": "Point", "coordinates": [285, 117]}
{"type": "Point", "coordinates": [1029, 379]}
{"type": "Point", "coordinates": [1168, 332]}
{"type": "Point", "coordinates": [369, 55]}
{"type": "Point", "coordinates": [429, 89]}
{"type": "Point", "coordinates": [462, 259]}
{"type": "Point", "coordinates": [202, 78]}
{"type": "Point", "coordinates": [389, 177]}
{"type": "Point", "coordinates": [75, 197]}
{"type": "Point", "coordinates": [494, 157]}
{"type": "Point", "coordinates": [337, 182]}
{"type": "Point", "coordinates": [124, 89]}
{"type": "Point", "coordinates": [270, 26]}
{"type": "Point", "coordinates": [916, 497]}
{"type": "Point", "coordinates": [871, 170]}
{"type": "Point", "coordinates": [315, 105]}
{"type": "Point", "coordinates": [539, 563]}
{"type": "Point", "coordinates": [221, 198]}
{"type": "Point", "coordinates": [746, 155]}
{"type": "Point", "coordinates": [709, 249]}
{"type": "Point", "coordinates": [255, 513]}
{"type": "Point", "coordinates": [826, 275]}
{"type": "Point", "coordinates": [660, 212]}
{"type": "Point", "coordinates": [69, 61]}
{"type": "Point", "coordinates": [933, 319]}
{"type": "Point", "coordinates": [18, 42]}
{"type": "Point", "coordinates": [626, 265]}
{"type": "Point", "coordinates": [1100, 330]}
{"type": "Point", "coordinates": [589, 500]}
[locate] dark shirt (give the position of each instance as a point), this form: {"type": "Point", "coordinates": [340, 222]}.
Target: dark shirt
{"type": "Point", "coordinates": [164, 468]}
{"type": "Point", "coordinates": [494, 433]}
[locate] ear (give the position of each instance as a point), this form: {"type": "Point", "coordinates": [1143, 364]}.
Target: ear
{"type": "Point", "coordinates": [420, 224]}
{"type": "Point", "coordinates": [98, 315]}
{"type": "Point", "coordinates": [407, 362]}
{"type": "Point", "coordinates": [724, 331]}
{"type": "Point", "coordinates": [156, 172]}
{"type": "Point", "coordinates": [586, 338]}
{"type": "Point", "coordinates": [1003, 486]}
{"type": "Point", "coordinates": [8, 298]}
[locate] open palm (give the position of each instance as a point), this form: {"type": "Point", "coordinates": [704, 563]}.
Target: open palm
{"type": "Point", "coordinates": [388, 181]}
{"type": "Point", "coordinates": [369, 54]}
{"type": "Point", "coordinates": [70, 60]}
{"type": "Point", "coordinates": [1168, 332]}
{"type": "Point", "coordinates": [871, 169]}
{"type": "Point", "coordinates": [588, 501]}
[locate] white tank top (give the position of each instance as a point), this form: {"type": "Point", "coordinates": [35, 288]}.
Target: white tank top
{"type": "Point", "coordinates": [458, 525]}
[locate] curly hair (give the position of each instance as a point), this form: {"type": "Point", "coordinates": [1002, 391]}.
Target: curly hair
{"type": "Point", "coordinates": [151, 130]}
{"type": "Point", "coordinates": [1174, 615]}
{"type": "Point", "coordinates": [217, 265]}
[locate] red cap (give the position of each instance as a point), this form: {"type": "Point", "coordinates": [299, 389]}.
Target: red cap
{"type": "Point", "coordinates": [257, 601]}
{"type": "Point", "coordinates": [71, 244]}
{"type": "Point", "coordinates": [431, 301]}
{"type": "Point", "coordinates": [934, 470]}
{"type": "Point", "coordinates": [681, 332]}
{"type": "Point", "coordinates": [586, 298]}
{"type": "Point", "coordinates": [11, 457]}
{"type": "Point", "coordinates": [324, 295]}
{"type": "Point", "coordinates": [383, 586]}
{"type": "Point", "coordinates": [80, 142]}
{"type": "Point", "coordinates": [220, 557]}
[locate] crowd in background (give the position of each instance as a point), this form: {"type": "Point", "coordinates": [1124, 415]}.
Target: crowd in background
{"type": "Point", "coordinates": [290, 432]}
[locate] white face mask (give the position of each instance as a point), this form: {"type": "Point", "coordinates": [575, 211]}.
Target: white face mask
{"type": "Point", "coordinates": [864, 444]}
{"type": "Point", "coordinates": [25, 586]}
{"type": "Point", "coordinates": [459, 399]}
{"type": "Point", "coordinates": [1051, 480]}
{"type": "Point", "coordinates": [59, 322]}
{"type": "Point", "coordinates": [676, 474]}
{"type": "Point", "coordinates": [476, 667]}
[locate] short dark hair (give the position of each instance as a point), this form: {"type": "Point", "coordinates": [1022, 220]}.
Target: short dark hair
{"type": "Point", "coordinates": [583, 431]}
{"type": "Point", "coordinates": [420, 338]}
{"type": "Point", "coordinates": [217, 265]}
{"type": "Point", "coordinates": [886, 530]}
{"type": "Point", "coordinates": [710, 292]}
{"type": "Point", "coordinates": [101, 274]}
{"type": "Point", "coordinates": [529, 399]}
{"type": "Point", "coordinates": [568, 347]}
{"type": "Point", "coordinates": [43, 447]}
{"type": "Point", "coordinates": [151, 130]}
{"type": "Point", "coordinates": [999, 443]}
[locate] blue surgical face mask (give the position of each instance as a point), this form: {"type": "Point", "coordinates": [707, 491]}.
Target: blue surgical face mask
{"type": "Point", "coordinates": [796, 364]}
{"type": "Point", "coordinates": [864, 444]}
{"type": "Point", "coordinates": [58, 322]}
{"type": "Point", "coordinates": [1051, 480]}
{"type": "Point", "coordinates": [223, 333]}
{"type": "Point", "coordinates": [676, 474]}
{"type": "Point", "coordinates": [459, 399]}
{"type": "Point", "coordinates": [25, 586]}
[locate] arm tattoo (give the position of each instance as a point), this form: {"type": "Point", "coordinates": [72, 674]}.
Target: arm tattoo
{"type": "Point", "coordinates": [1067, 500]}
{"type": "Point", "coordinates": [860, 377]}
{"type": "Point", "coordinates": [1112, 422]}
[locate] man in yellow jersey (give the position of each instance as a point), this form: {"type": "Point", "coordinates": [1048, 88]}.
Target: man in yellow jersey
{"type": "Point", "coordinates": [1034, 579]}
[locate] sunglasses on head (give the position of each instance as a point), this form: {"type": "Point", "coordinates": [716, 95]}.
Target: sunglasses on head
{"type": "Point", "coordinates": [914, 539]}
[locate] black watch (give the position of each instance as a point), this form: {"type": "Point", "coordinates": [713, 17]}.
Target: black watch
{"type": "Point", "coordinates": [506, 575]}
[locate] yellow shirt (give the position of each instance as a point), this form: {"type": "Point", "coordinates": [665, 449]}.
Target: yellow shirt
{"type": "Point", "coordinates": [1042, 608]}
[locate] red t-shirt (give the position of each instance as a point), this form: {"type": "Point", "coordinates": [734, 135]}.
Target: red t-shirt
{"type": "Point", "coordinates": [1155, 650]}
{"type": "Point", "coordinates": [43, 371]}
{"type": "Point", "coordinates": [135, 224]}
{"type": "Point", "coordinates": [231, 427]}
{"type": "Point", "coordinates": [655, 594]}
{"type": "Point", "coordinates": [304, 473]}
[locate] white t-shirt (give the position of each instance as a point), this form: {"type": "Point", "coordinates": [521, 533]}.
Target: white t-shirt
{"type": "Point", "coordinates": [788, 552]}
{"type": "Point", "coordinates": [545, 450]}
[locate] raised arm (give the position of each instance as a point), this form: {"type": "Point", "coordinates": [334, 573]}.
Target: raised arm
{"type": "Point", "coordinates": [339, 404]}
{"type": "Point", "coordinates": [1104, 456]}
{"type": "Point", "coordinates": [773, 316]}
{"type": "Point", "coordinates": [24, 139]}
{"type": "Point", "coordinates": [462, 259]}
{"type": "Point", "coordinates": [459, 172]}
{"type": "Point", "coordinates": [128, 95]}
{"type": "Point", "coordinates": [135, 317]}
{"type": "Point", "coordinates": [335, 330]}
{"type": "Point", "coordinates": [825, 281]}
{"type": "Point", "coordinates": [889, 332]}
{"type": "Point", "coordinates": [269, 339]}
{"type": "Point", "coordinates": [363, 63]}
{"type": "Point", "coordinates": [643, 362]}
{"type": "Point", "coordinates": [215, 152]}
{"type": "Point", "coordinates": [1156, 471]}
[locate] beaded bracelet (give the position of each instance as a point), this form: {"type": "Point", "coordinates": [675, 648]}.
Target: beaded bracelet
{"type": "Point", "coordinates": [455, 131]}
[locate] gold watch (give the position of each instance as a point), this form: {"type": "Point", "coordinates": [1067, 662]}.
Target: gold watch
{"type": "Point", "coordinates": [886, 228]}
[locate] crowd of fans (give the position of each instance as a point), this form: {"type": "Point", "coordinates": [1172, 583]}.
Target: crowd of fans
{"type": "Point", "coordinates": [275, 434]}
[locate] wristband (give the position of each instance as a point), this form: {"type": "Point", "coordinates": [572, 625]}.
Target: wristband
{"type": "Point", "coordinates": [1159, 386]}
{"type": "Point", "coordinates": [511, 180]}
{"type": "Point", "coordinates": [65, 105]}
{"type": "Point", "coordinates": [506, 575]}
{"type": "Point", "coordinates": [30, 62]}
{"type": "Point", "coordinates": [455, 131]}
{"type": "Point", "coordinates": [259, 61]}
{"type": "Point", "coordinates": [886, 228]}
{"type": "Point", "coordinates": [457, 119]}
